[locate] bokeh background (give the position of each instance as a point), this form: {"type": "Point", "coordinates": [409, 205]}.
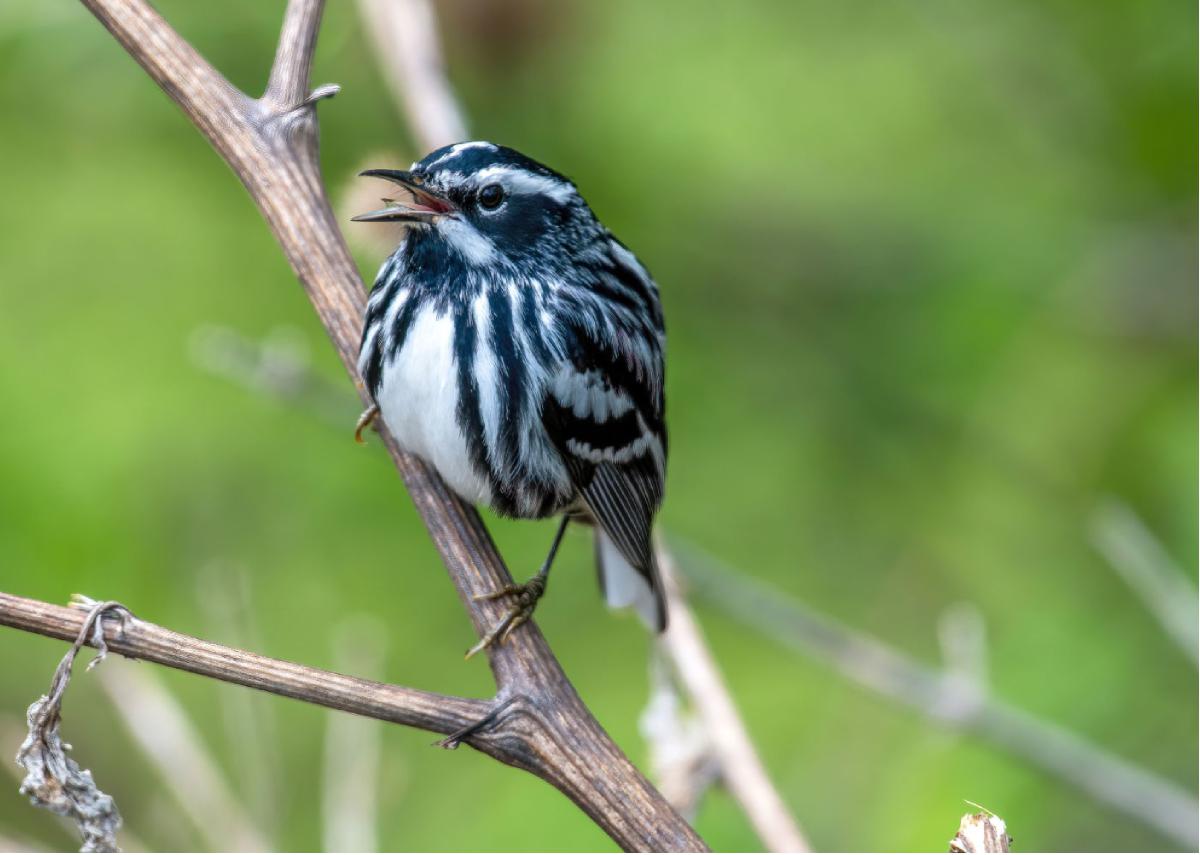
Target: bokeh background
{"type": "Point", "coordinates": [930, 278]}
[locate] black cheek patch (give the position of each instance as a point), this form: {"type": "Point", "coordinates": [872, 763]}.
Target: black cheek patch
{"type": "Point", "coordinates": [519, 225]}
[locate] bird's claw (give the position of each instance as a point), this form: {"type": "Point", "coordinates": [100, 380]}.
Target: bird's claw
{"type": "Point", "coordinates": [365, 421]}
{"type": "Point", "coordinates": [495, 595]}
{"type": "Point", "coordinates": [527, 596]}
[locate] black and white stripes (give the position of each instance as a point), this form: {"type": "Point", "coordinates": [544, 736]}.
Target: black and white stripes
{"type": "Point", "coordinates": [519, 349]}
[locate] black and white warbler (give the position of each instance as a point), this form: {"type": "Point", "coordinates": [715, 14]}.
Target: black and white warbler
{"type": "Point", "coordinates": [517, 346]}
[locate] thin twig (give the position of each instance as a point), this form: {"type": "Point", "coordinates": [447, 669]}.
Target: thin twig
{"type": "Point", "coordinates": [681, 755]}
{"type": "Point", "coordinates": [1140, 559]}
{"type": "Point", "coordinates": [287, 87]}
{"type": "Point", "coordinates": [945, 697]}
{"type": "Point", "coordinates": [404, 35]}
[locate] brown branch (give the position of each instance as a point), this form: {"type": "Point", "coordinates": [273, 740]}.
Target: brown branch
{"type": "Point", "coordinates": [538, 721]}
{"type": "Point", "coordinates": [287, 86]}
{"type": "Point", "coordinates": [139, 639]}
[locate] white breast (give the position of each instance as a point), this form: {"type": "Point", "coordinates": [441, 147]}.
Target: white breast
{"type": "Point", "coordinates": [418, 399]}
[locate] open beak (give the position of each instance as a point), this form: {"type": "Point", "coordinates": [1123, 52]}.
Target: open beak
{"type": "Point", "coordinates": [425, 207]}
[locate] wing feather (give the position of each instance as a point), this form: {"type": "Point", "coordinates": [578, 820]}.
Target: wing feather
{"type": "Point", "coordinates": [604, 413]}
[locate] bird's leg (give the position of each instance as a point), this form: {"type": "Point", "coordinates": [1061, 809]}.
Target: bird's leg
{"type": "Point", "coordinates": [527, 596]}
{"type": "Point", "coordinates": [365, 421]}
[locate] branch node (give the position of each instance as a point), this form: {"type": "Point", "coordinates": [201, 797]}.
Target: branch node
{"type": "Point", "coordinates": [293, 121]}
{"type": "Point", "coordinates": [494, 717]}
{"type": "Point", "coordinates": [326, 90]}
{"type": "Point", "coordinates": [96, 612]}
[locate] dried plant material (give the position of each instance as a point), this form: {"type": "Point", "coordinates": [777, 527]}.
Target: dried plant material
{"type": "Point", "coordinates": [53, 780]}
{"type": "Point", "coordinates": [981, 832]}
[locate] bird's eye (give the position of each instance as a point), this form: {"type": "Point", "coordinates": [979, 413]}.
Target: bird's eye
{"type": "Point", "coordinates": [491, 196]}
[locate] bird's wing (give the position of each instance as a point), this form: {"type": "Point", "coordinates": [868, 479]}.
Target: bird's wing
{"type": "Point", "coordinates": [604, 412]}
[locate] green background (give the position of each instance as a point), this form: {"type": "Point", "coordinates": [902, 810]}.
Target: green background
{"type": "Point", "coordinates": [929, 271]}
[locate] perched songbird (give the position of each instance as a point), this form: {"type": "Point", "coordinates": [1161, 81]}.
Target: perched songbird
{"type": "Point", "coordinates": [517, 346]}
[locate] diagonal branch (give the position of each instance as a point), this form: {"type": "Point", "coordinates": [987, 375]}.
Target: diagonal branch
{"type": "Point", "coordinates": [537, 721]}
{"type": "Point", "coordinates": [1140, 560]}
{"type": "Point", "coordinates": [404, 36]}
{"type": "Point", "coordinates": [740, 767]}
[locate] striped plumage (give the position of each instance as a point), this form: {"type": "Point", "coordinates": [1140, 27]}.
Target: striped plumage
{"type": "Point", "coordinates": [515, 344]}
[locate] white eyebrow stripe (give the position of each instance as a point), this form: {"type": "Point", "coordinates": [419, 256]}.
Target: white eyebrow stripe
{"type": "Point", "coordinates": [520, 181]}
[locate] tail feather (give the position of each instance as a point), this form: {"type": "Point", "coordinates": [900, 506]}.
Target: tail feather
{"type": "Point", "coordinates": [625, 586]}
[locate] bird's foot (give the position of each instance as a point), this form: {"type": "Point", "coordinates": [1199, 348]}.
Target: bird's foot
{"type": "Point", "coordinates": [365, 421]}
{"type": "Point", "coordinates": [526, 595]}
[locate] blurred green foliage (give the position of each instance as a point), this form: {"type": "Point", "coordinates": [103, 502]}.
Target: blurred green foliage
{"type": "Point", "coordinates": [930, 276]}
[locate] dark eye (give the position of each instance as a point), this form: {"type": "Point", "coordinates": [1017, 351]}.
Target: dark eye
{"type": "Point", "coordinates": [491, 196]}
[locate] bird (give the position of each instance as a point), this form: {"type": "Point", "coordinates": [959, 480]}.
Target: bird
{"type": "Point", "coordinates": [517, 346]}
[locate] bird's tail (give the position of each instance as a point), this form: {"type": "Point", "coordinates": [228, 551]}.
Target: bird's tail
{"type": "Point", "coordinates": [624, 585]}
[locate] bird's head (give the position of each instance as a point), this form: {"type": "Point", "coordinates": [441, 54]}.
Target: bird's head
{"type": "Point", "coordinates": [489, 205]}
